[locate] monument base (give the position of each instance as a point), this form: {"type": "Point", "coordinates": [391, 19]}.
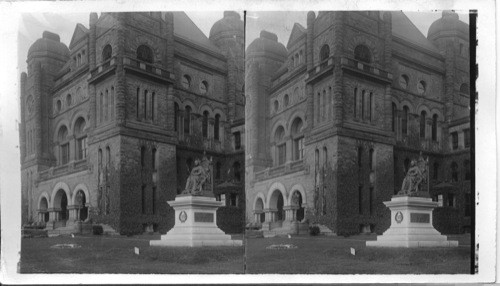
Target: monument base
{"type": "Point", "coordinates": [195, 224]}
{"type": "Point", "coordinates": [411, 225]}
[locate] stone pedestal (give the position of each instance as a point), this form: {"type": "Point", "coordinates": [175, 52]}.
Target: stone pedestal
{"type": "Point", "coordinates": [411, 225]}
{"type": "Point", "coordinates": [195, 224]}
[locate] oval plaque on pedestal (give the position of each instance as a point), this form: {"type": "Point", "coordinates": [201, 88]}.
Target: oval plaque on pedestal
{"type": "Point", "coordinates": [399, 217]}
{"type": "Point", "coordinates": [183, 216]}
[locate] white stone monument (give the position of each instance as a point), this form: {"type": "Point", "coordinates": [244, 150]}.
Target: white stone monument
{"type": "Point", "coordinates": [196, 214]}
{"type": "Point", "coordinates": [411, 225]}
{"type": "Point", "coordinates": [411, 214]}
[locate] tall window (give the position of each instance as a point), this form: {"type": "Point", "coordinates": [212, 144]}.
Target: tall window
{"type": "Point", "coordinates": [467, 170]}
{"type": "Point", "coordinates": [363, 102]}
{"type": "Point", "coordinates": [355, 111]}
{"type": "Point", "coordinates": [434, 127]}
{"type": "Point", "coordinates": [145, 54]}
{"type": "Point", "coordinates": [81, 139]}
{"type": "Point", "coordinates": [106, 53]}
{"type": "Point", "coordinates": [422, 123]}
{"type": "Point", "coordinates": [176, 116]}
{"type": "Point", "coordinates": [187, 120]}
{"type": "Point", "coordinates": [153, 104]}
{"type": "Point", "coordinates": [216, 126]}
{"type": "Point", "coordinates": [137, 103]}
{"type": "Point", "coordinates": [405, 120]}
{"type": "Point", "coordinates": [298, 139]}
{"type": "Point", "coordinates": [370, 107]}
{"type": "Point", "coordinates": [101, 106]}
{"type": "Point", "coordinates": [280, 146]}
{"type": "Point", "coordinates": [236, 171]}
{"type": "Point", "coordinates": [371, 159]}
{"type": "Point", "coordinates": [362, 53]}
{"type": "Point", "coordinates": [204, 125]}
{"type": "Point", "coordinates": [64, 145]}
{"type": "Point", "coordinates": [360, 199]}
{"type": "Point", "coordinates": [143, 155]}
{"type": "Point", "coordinates": [454, 172]}
{"type": "Point", "coordinates": [237, 140]}
{"type": "Point", "coordinates": [467, 138]}
{"type": "Point", "coordinates": [217, 170]}
{"type": "Point", "coordinates": [154, 159]}
{"type": "Point", "coordinates": [108, 156]}
{"type": "Point", "coordinates": [435, 172]}
{"type": "Point", "coordinates": [454, 140]}
{"type": "Point", "coordinates": [393, 116]}
{"type": "Point", "coordinates": [324, 52]}
{"type": "Point", "coordinates": [143, 199]}
{"type": "Point", "coordinates": [186, 81]}
{"type": "Point", "coordinates": [145, 105]}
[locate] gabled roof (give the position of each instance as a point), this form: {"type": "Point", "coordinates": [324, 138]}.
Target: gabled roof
{"type": "Point", "coordinates": [297, 31]}
{"type": "Point", "coordinates": [80, 32]}
{"type": "Point", "coordinates": [186, 29]}
{"type": "Point", "coordinates": [403, 28]}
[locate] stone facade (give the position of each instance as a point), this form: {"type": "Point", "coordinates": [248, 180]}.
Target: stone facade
{"type": "Point", "coordinates": [112, 124]}
{"type": "Point", "coordinates": [337, 115]}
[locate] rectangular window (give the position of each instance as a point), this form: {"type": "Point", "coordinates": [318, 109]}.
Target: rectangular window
{"type": "Point", "coordinates": [81, 146]}
{"type": "Point", "coordinates": [233, 200]}
{"type": "Point", "coordinates": [299, 148]}
{"type": "Point", "coordinates": [454, 140]}
{"type": "Point", "coordinates": [281, 154]}
{"type": "Point", "coordinates": [153, 200]}
{"type": "Point", "coordinates": [237, 140]}
{"type": "Point", "coordinates": [467, 138]}
{"type": "Point", "coordinates": [360, 199]}
{"type": "Point", "coordinates": [65, 154]}
{"type": "Point", "coordinates": [143, 199]}
{"type": "Point", "coordinates": [451, 200]}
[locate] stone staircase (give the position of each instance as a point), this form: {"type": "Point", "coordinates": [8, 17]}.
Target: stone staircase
{"type": "Point", "coordinates": [108, 230]}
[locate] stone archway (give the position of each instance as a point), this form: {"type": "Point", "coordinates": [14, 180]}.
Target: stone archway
{"type": "Point", "coordinates": [61, 205]}
{"type": "Point", "coordinates": [260, 216]}
{"type": "Point", "coordinates": [43, 210]}
{"type": "Point", "coordinates": [276, 204]}
{"type": "Point", "coordinates": [81, 205]}
{"type": "Point", "coordinates": [297, 203]}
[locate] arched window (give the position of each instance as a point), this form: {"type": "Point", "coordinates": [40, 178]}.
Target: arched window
{"type": "Point", "coordinates": [81, 139]}
{"type": "Point", "coordinates": [403, 81]}
{"type": "Point", "coordinates": [464, 88]}
{"type": "Point", "coordinates": [59, 105]}
{"type": "Point", "coordinates": [297, 139]}
{"type": "Point", "coordinates": [68, 100]}
{"type": "Point", "coordinates": [454, 172]}
{"type": "Point", "coordinates": [421, 87]}
{"type": "Point", "coordinates": [145, 54]}
{"type": "Point", "coordinates": [204, 125]}
{"type": "Point", "coordinates": [404, 120]}
{"type": "Point", "coordinates": [106, 107]}
{"type": "Point", "coordinates": [434, 127]}
{"type": "Point", "coordinates": [145, 105]}
{"type": "Point", "coordinates": [394, 116]}
{"type": "Point", "coordinates": [99, 158]}
{"type": "Point", "coordinates": [186, 81]}
{"type": "Point", "coordinates": [362, 53]}
{"type": "Point", "coordinates": [187, 120]}
{"type": "Point", "coordinates": [370, 106]}
{"type": "Point", "coordinates": [108, 156]}
{"type": "Point", "coordinates": [323, 106]}
{"type": "Point", "coordinates": [467, 170]}
{"type": "Point", "coordinates": [236, 171]}
{"type": "Point", "coordinates": [138, 103]}
{"type": "Point", "coordinates": [153, 106]}
{"type": "Point", "coordinates": [204, 87]}
{"type": "Point", "coordinates": [297, 62]}
{"type": "Point", "coordinates": [324, 53]}
{"type": "Point", "coordinates": [176, 116]}
{"type": "Point", "coordinates": [355, 111]}
{"type": "Point", "coordinates": [106, 53]}
{"type": "Point", "coordinates": [316, 159]}
{"type": "Point", "coordinates": [62, 136]}
{"type": "Point", "coordinates": [276, 105]}
{"type": "Point", "coordinates": [286, 100]}
{"type": "Point", "coordinates": [325, 157]}
{"type": "Point", "coordinates": [363, 102]}
{"type": "Point", "coordinates": [279, 136]}
{"type": "Point", "coordinates": [217, 127]}
{"type": "Point", "coordinates": [423, 115]}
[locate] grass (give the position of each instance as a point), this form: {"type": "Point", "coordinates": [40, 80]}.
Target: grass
{"type": "Point", "coordinates": [313, 255]}
{"type": "Point", "coordinates": [332, 255]}
{"type": "Point", "coordinates": [102, 254]}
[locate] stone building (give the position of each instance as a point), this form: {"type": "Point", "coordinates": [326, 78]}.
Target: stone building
{"type": "Point", "coordinates": [334, 118]}
{"type": "Point", "coordinates": [112, 123]}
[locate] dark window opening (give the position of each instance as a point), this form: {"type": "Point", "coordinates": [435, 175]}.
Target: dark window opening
{"type": "Point", "coordinates": [362, 53]}
{"type": "Point", "coordinates": [237, 140]}
{"type": "Point", "coordinates": [324, 52]}
{"type": "Point", "coordinates": [454, 140]}
{"type": "Point", "coordinates": [106, 53]}
{"type": "Point", "coordinates": [144, 53]}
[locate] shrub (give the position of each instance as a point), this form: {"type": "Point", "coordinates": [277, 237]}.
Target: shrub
{"type": "Point", "coordinates": [97, 230]}
{"type": "Point", "coordinates": [314, 230]}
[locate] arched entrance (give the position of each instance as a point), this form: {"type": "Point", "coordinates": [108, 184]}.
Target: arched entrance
{"type": "Point", "coordinates": [80, 202]}
{"type": "Point", "coordinates": [259, 211]}
{"type": "Point", "coordinates": [297, 202]}
{"type": "Point", "coordinates": [276, 203]}
{"type": "Point", "coordinates": [42, 209]}
{"type": "Point", "coordinates": [61, 205]}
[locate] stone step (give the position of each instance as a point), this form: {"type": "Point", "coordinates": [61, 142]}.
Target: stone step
{"type": "Point", "coordinates": [324, 230]}
{"type": "Point", "coordinates": [108, 230]}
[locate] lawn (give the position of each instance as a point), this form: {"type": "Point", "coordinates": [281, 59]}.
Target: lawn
{"type": "Point", "coordinates": [107, 254]}
{"type": "Point", "coordinates": [332, 255]}
{"type": "Point", "coordinates": [313, 255]}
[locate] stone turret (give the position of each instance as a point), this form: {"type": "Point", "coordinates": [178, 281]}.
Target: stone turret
{"type": "Point", "coordinates": [264, 57]}
{"type": "Point", "coordinates": [451, 37]}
